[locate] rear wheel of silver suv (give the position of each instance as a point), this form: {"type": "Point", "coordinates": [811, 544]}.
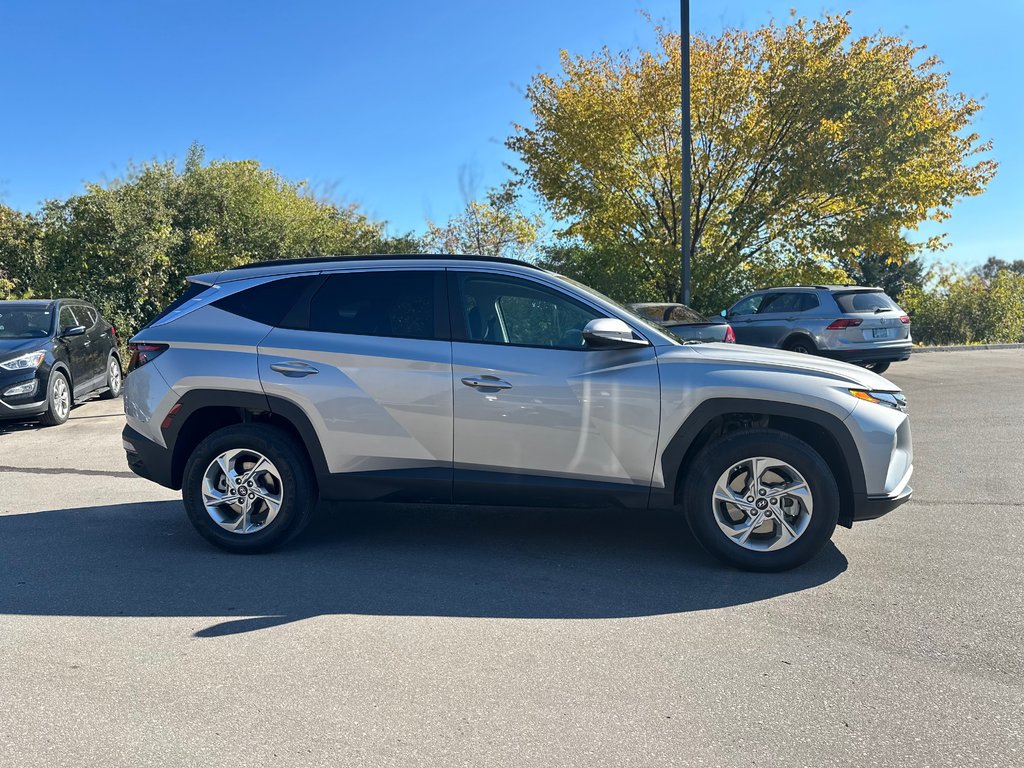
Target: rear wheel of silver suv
{"type": "Point", "coordinates": [248, 488]}
{"type": "Point", "coordinates": [761, 500]}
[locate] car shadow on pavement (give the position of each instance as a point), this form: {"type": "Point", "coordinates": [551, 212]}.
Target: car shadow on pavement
{"type": "Point", "coordinates": [145, 560]}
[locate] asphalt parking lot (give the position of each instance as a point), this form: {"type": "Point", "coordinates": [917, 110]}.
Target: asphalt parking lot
{"type": "Point", "coordinates": [442, 636]}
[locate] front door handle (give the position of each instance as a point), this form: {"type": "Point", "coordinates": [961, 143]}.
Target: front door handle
{"type": "Point", "coordinates": [294, 368]}
{"type": "Point", "coordinates": [486, 382]}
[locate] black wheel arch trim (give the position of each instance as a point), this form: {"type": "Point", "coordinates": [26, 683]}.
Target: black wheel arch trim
{"type": "Point", "coordinates": [675, 453]}
{"type": "Point", "coordinates": [245, 402]}
{"type": "Point", "coordinates": [798, 336]}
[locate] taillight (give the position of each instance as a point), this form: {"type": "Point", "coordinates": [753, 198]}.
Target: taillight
{"type": "Point", "coordinates": [905, 320]}
{"type": "Point", "coordinates": [143, 353]}
{"type": "Point", "coordinates": [845, 322]}
{"type": "Point", "coordinates": [729, 335]}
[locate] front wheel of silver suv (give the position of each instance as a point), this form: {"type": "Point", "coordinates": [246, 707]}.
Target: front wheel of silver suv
{"type": "Point", "coordinates": [248, 488]}
{"type": "Point", "coordinates": [761, 500]}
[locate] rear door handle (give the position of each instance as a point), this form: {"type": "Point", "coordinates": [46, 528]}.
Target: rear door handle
{"type": "Point", "coordinates": [486, 382]}
{"type": "Point", "coordinates": [294, 368]}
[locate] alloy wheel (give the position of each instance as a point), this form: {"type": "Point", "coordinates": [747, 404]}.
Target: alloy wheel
{"type": "Point", "coordinates": [762, 504]}
{"type": "Point", "coordinates": [242, 491]}
{"type": "Point", "coordinates": [114, 375]}
{"type": "Point", "coordinates": [61, 398]}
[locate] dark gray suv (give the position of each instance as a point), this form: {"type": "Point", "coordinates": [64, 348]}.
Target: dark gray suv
{"type": "Point", "coordinates": [844, 322]}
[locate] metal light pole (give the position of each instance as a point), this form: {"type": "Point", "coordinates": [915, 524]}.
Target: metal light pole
{"type": "Point", "coordinates": [684, 45]}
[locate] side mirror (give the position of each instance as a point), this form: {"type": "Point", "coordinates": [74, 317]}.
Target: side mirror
{"type": "Point", "coordinates": [724, 313]}
{"type": "Point", "coordinates": [610, 333]}
{"type": "Point", "coordinates": [72, 330]}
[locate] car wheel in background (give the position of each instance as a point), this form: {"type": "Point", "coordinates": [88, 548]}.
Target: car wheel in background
{"type": "Point", "coordinates": [878, 367]}
{"type": "Point", "coordinates": [115, 379]}
{"type": "Point", "coordinates": [248, 488]}
{"type": "Point", "coordinates": [802, 346]}
{"type": "Point", "coordinates": [58, 400]}
{"type": "Point", "coordinates": [761, 500]}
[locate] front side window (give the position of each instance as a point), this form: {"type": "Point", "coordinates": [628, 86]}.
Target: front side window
{"type": "Point", "coordinates": [499, 309]}
{"type": "Point", "coordinates": [395, 303]}
{"type": "Point", "coordinates": [748, 305]}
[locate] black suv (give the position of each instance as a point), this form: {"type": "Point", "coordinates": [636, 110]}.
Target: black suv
{"type": "Point", "coordinates": [54, 352]}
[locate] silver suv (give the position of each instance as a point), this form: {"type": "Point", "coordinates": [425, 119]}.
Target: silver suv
{"type": "Point", "coordinates": [844, 322]}
{"type": "Point", "coordinates": [485, 381]}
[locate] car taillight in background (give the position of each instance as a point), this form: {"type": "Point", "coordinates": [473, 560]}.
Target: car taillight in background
{"type": "Point", "coordinates": [905, 320]}
{"type": "Point", "coordinates": [143, 353]}
{"type": "Point", "coordinates": [845, 322]}
{"type": "Point", "coordinates": [729, 335]}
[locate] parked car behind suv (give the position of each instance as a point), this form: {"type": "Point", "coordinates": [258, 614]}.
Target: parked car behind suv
{"type": "Point", "coordinates": [487, 381]}
{"type": "Point", "coordinates": [844, 322]}
{"type": "Point", "coordinates": [54, 352]}
{"type": "Point", "coordinates": [686, 323]}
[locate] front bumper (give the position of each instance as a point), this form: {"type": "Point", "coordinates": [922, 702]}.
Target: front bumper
{"type": "Point", "coordinates": [872, 507]}
{"type": "Point", "coordinates": [147, 459]}
{"type": "Point", "coordinates": [27, 405]}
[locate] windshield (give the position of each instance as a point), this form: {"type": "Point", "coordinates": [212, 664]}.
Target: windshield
{"type": "Point", "coordinates": [650, 325]}
{"type": "Point", "coordinates": [25, 322]}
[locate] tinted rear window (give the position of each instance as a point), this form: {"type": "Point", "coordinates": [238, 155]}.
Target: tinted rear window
{"type": "Point", "coordinates": [399, 303]}
{"type": "Point", "coordinates": [864, 301]}
{"type": "Point", "coordinates": [266, 303]}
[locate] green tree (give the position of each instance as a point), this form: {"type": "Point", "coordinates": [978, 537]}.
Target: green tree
{"type": "Point", "coordinates": [492, 227]}
{"type": "Point", "coordinates": [891, 275]}
{"type": "Point", "coordinates": [129, 244]}
{"type": "Point", "coordinates": [994, 266]}
{"type": "Point", "coordinates": [18, 252]}
{"type": "Point", "coordinates": [967, 309]}
{"type": "Point", "coordinates": [810, 148]}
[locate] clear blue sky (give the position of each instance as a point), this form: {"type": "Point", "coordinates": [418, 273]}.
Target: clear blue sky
{"type": "Point", "coordinates": [383, 102]}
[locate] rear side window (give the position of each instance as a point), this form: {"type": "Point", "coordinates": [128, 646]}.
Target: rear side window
{"type": "Point", "coordinates": [864, 301]}
{"type": "Point", "coordinates": [808, 301]}
{"type": "Point", "coordinates": [401, 304]}
{"type": "Point", "coordinates": [86, 316]}
{"type": "Point", "coordinates": [267, 303]}
{"type": "Point", "coordinates": [780, 302]}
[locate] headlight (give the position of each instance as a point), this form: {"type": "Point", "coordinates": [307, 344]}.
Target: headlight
{"type": "Point", "coordinates": [24, 362]}
{"type": "Point", "coordinates": [892, 399]}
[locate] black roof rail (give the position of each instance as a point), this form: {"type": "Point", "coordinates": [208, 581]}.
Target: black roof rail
{"type": "Point", "coordinates": [383, 257]}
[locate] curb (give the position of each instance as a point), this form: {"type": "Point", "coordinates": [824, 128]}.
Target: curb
{"type": "Point", "coordinates": [968, 347]}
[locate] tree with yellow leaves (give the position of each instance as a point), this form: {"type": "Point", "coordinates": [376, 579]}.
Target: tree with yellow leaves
{"type": "Point", "coordinates": [810, 147]}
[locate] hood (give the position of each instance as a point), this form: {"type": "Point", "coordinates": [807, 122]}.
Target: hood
{"type": "Point", "coordinates": [13, 347]}
{"type": "Point", "coordinates": [741, 354]}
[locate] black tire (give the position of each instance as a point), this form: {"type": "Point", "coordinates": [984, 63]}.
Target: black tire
{"type": "Point", "coordinates": [725, 451]}
{"type": "Point", "coordinates": [296, 476]}
{"type": "Point", "coordinates": [878, 367]}
{"type": "Point", "coordinates": [802, 346]}
{"type": "Point", "coordinates": [55, 414]}
{"type": "Point", "coordinates": [114, 384]}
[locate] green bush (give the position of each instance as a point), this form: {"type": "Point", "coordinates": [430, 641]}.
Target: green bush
{"type": "Point", "coordinates": [968, 309]}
